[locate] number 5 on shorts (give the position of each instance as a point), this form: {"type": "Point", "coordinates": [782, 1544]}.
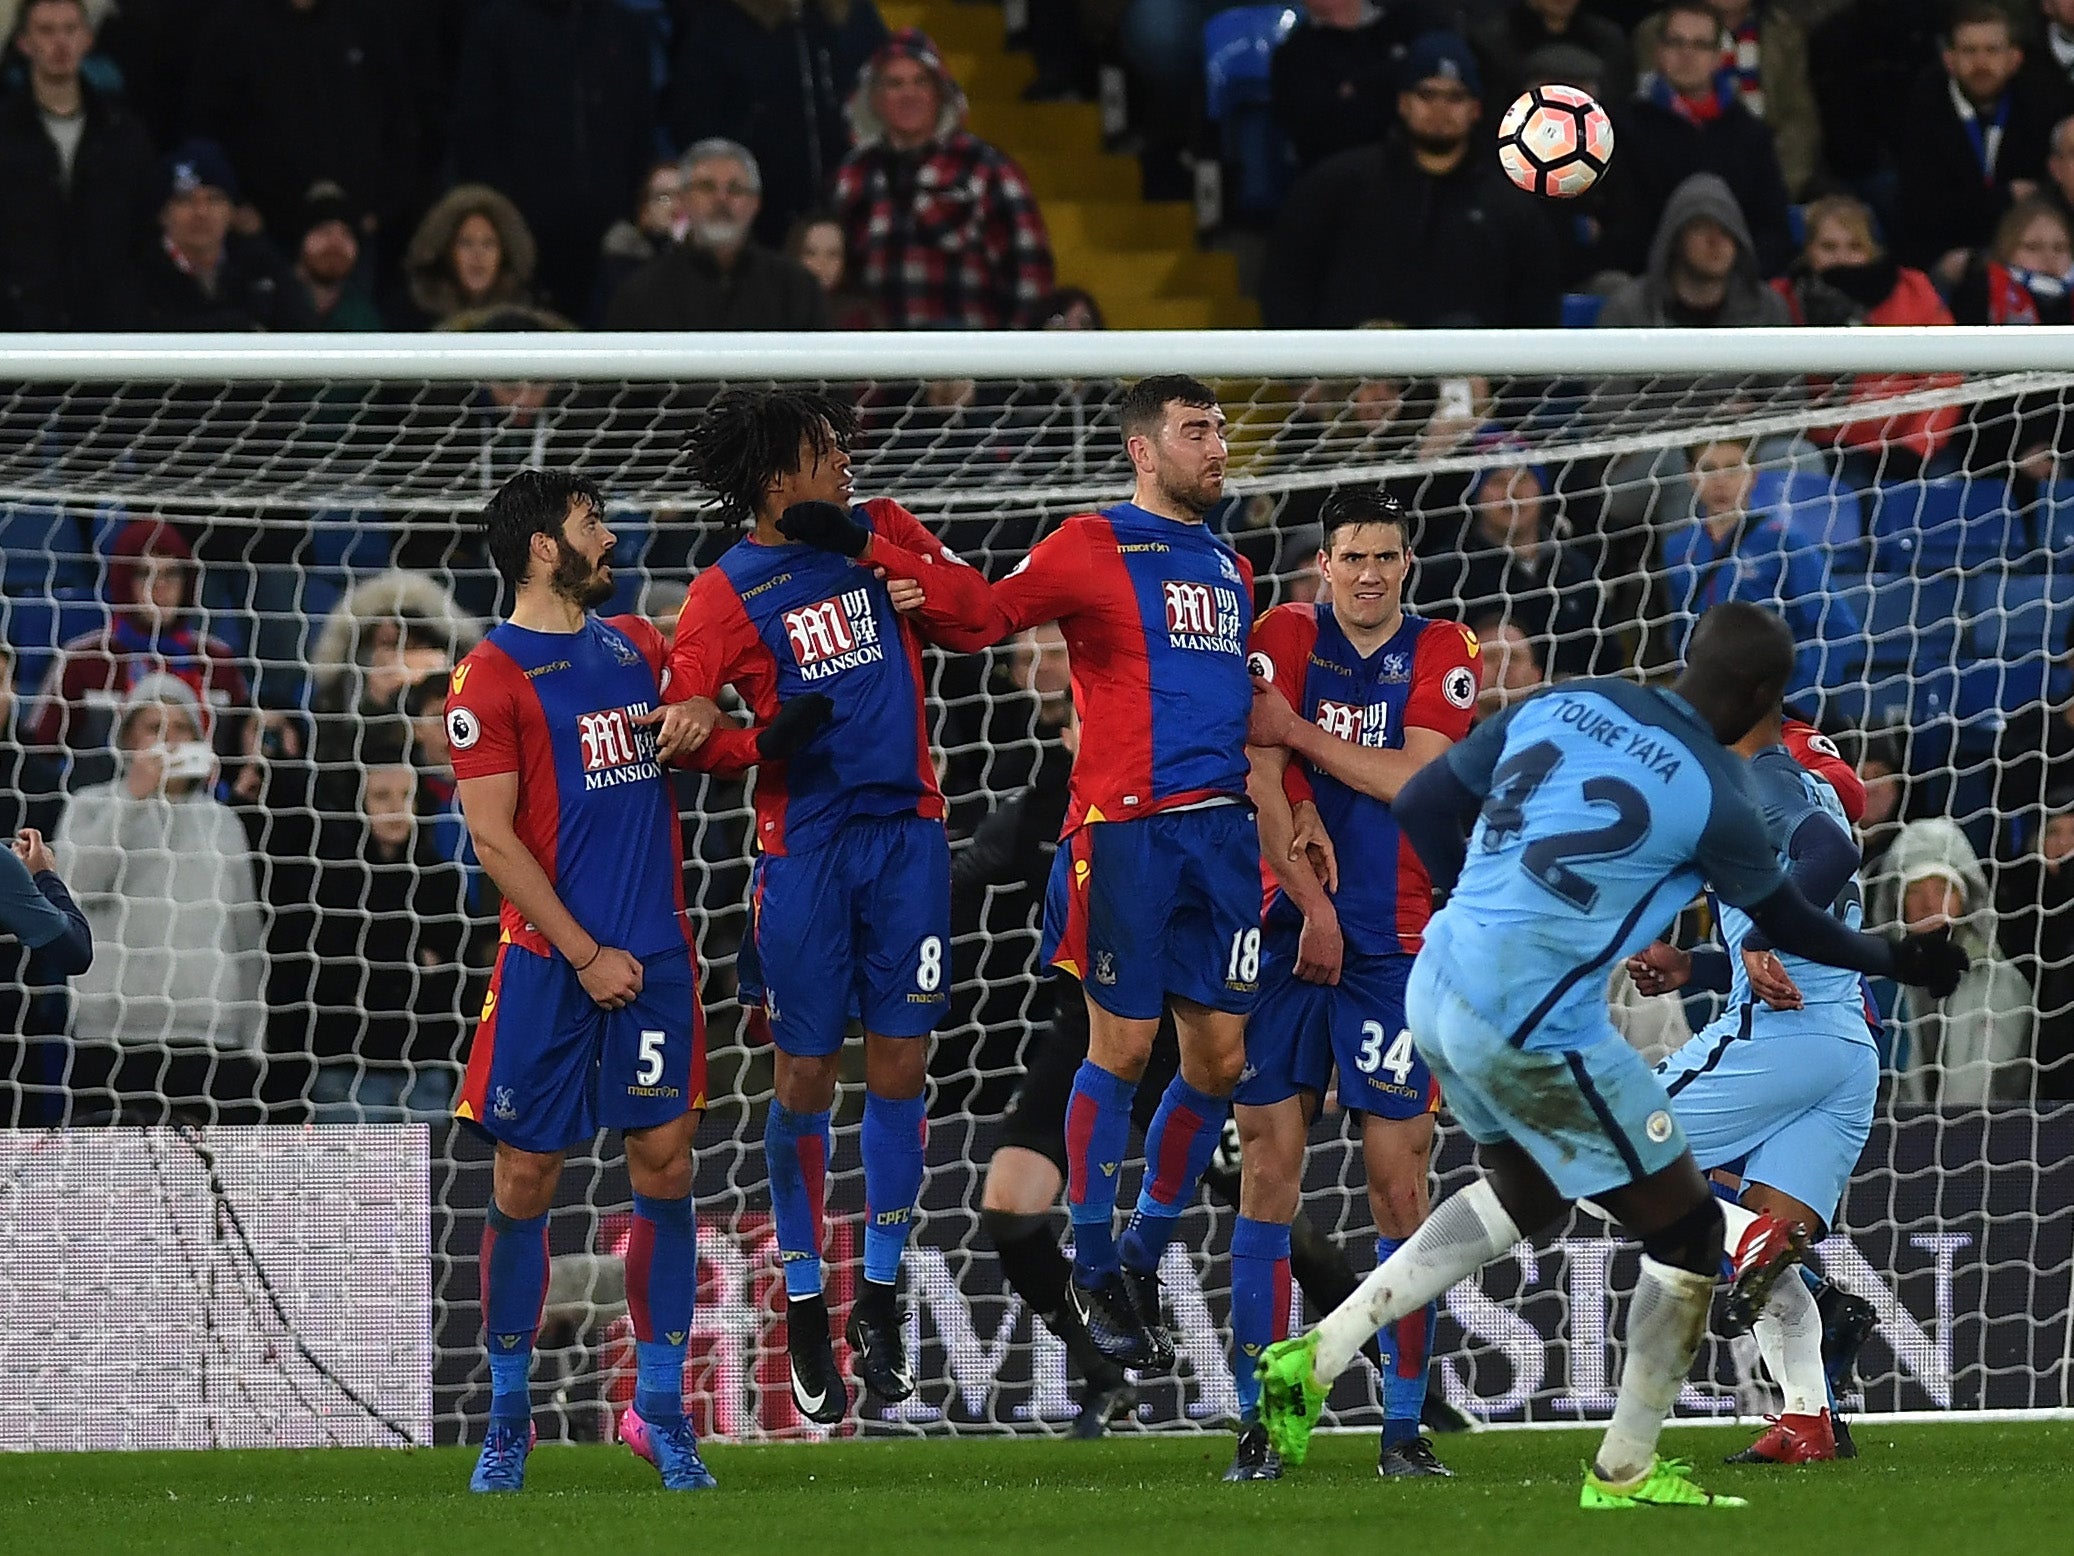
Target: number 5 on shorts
{"type": "Point", "coordinates": [1397, 1061]}
{"type": "Point", "coordinates": [651, 1057]}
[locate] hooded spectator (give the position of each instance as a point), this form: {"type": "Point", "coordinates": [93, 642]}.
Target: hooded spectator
{"type": "Point", "coordinates": [1703, 270]}
{"type": "Point", "coordinates": [1688, 119]}
{"type": "Point", "coordinates": [327, 261]}
{"type": "Point", "coordinates": [632, 241]}
{"type": "Point", "coordinates": [774, 76]}
{"type": "Point", "coordinates": [204, 276]}
{"type": "Point", "coordinates": [170, 1013]}
{"type": "Point", "coordinates": [473, 250]}
{"type": "Point", "coordinates": [718, 278]}
{"type": "Point", "coordinates": [153, 628]}
{"type": "Point", "coordinates": [1845, 277]}
{"type": "Point", "coordinates": [1975, 1047]}
{"type": "Point", "coordinates": [942, 228]}
{"type": "Point", "coordinates": [1764, 60]}
{"type": "Point", "coordinates": [1334, 79]}
{"type": "Point", "coordinates": [1420, 230]}
{"type": "Point", "coordinates": [78, 181]}
{"type": "Point", "coordinates": [554, 104]}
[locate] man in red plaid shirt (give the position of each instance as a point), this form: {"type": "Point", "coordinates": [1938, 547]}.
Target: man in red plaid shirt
{"type": "Point", "coordinates": [942, 229]}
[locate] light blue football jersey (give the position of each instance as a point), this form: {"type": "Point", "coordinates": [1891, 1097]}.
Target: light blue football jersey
{"type": "Point", "coordinates": [1788, 794]}
{"type": "Point", "coordinates": [1606, 808]}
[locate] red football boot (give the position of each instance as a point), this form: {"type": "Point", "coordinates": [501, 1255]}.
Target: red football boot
{"type": "Point", "coordinates": [1770, 1247]}
{"type": "Point", "coordinates": [1791, 1440]}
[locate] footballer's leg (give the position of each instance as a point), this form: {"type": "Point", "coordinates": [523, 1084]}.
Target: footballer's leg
{"type": "Point", "coordinates": [662, 1288]}
{"type": "Point", "coordinates": [1788, 1331]}
{"type": "Point", "coordinates": [1397, 1152]}
{"type": "Point", "coordinates": [1272, 1138]}
{"type": "Point", "coordinates": [514, 1286]}
{"type": "Point", "coordinates": [894, 1146]}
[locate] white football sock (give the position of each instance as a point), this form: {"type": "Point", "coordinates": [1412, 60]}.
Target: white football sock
{"type": "Point", "coordinates": [1666, 1322]}
{"type": "Point", "coordinates": [1464, 1233]}
{"type": "Point", "coordinates": [1789, 1336]}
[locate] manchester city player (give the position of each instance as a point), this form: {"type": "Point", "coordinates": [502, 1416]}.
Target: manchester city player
{"type": "Point", "coordinates": [1567, 831]}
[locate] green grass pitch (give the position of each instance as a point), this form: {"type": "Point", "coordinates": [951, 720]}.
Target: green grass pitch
{"type": "Point", "coordinates": [1948, 1490]}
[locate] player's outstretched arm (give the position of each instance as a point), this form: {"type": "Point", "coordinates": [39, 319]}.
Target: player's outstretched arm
{"type": "Point", "coordinates": [1435, 811]}
{"type": "Point", "coordinates": [1933, 962]}
{"type": "Point", "coordinates": [957, 610]}
{"type": "Point", "coordinates": [609, 975]}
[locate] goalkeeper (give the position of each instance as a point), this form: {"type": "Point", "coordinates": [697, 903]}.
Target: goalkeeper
{"type": "Point", "coordinates": [592, 1018]}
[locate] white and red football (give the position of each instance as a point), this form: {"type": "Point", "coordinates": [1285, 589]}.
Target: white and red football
{"type": "Point", "coordinates": [1555, 141]}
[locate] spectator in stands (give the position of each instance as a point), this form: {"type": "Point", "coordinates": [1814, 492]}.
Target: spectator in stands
{"type": "Point", "coordinates": [1731, 552]}
{"type": "Point", "coordinates": [204, 276]}
{"type": "Point", "coordinates": [152, 590]}
{"type": "Point", "coordinates": [554, 105]}
{"type": "Point", "coordinates": [78, 181]}
{"type": "Point", "coordinates": [1864, 62]}
{"type": "Point", "coordinates": [1764, 58]}
{"type": "Point", "coordinates": [388, 636]}
{"type": "Point", "coordinates": [2035, 901]}
{"type": "Point", "coordinates": [1845, 277]}
{"type": "Point", "coordinates": [1505, 42]}
{"type": "Point", "coordinates": [942, 227]}
{"type": "Point", "coordinates": [718, 278]}
{"type": "Point", "coordinates": [815, 243]}
{"type": "Point", "coordinates": [631, 242]}
{"type": "Point", "coordinates": [1974, 140]}
{"type": "Point", "coordinates": [391, 921]}
{"type": "Point", "coordinates": [2048, 70]}
{"type": "Point", "coordinates": [2024, 276]}
{"type": "Point", "coordinates": [1334, 79]}
{"type": "Point", "coordinates": [1690, 119]}
{"type": "Point", "coordinates": [1703, 270]}
{"type": "Point", "coordinates": [2059, 168]}
{"type": "Point", "coordinates": [1515, 561]}
{"type": "Point", "coordinates": [299, 92]}
{"type": "Point", "coordinates": [327, 261]}
{"type": "Point", "coordinates": [773, 75]}
{"type": "Point", "coordinates": [30, 780]}
{"type": "Point", "coordinates": [1511, 665]}
{"type": "Point", "coordinates": [473, 250]}
{"type": "Point", "coordinates": [1418, 230]}
{"type": "Point", "coordinates": [168, 1019]}
{"type": "Point", "coordinates": [1977, 1046]}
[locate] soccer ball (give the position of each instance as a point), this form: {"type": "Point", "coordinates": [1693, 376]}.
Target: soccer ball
{"type": "Point", "coordinates": [1555, 141]}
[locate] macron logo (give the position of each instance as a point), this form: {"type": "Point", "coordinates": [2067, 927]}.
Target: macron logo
{"type": "Point", "coordinates": [834, 635]}
{"type": "Point", "coordinates": [1202, 616]}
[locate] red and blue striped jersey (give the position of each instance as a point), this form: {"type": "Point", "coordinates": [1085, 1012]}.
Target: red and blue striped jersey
{"type": "Point", "coordinates": [1156, 615]}
{"type": "Point", "coordinates": [777, 621]}
{"type": "Point", "coordinates": [1426, 676]}
{"type": "Point", "coordinates": [594, 805]}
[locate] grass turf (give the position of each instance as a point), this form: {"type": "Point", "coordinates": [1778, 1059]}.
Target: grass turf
{"type": "Point", "coordinates": [1942, 1489]}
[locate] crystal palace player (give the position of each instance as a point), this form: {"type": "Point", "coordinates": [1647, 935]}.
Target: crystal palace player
{"type": "Point", "coordinates": [851, 897]}
{"type": "Point", "coordinates": [1363, 696]}
{"type": "Point", "coordinates": [1165, 902]}
{"type": "Point", "coordinates": [1599, 807]}
{"type": "Point", "coordinates": [592, 1018]}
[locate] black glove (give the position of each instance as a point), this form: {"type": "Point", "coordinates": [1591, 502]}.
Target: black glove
{"type": "Point", "coordinates": [797, 723]}
{"type": "Point", "coordinates": [1931, 961]}
{"type": "Point", "coordinates": [825, 526]}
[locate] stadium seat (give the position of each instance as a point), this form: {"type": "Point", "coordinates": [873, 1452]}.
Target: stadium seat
{"type": "Point", "coordinates": [37, 626]}
{"type": "Point", "coordinates": [1946, 522]}
{"type": "Point", "coordinates": [349, 540]}
{"type": "Point", "coordinates": [1990, 690]}
{"type": "Point", "coordinates": [1818, 507]}
{"type": "Point", "coordinates": [1914, 621]}
{"type": "Point", "coordinates": [42, 548]}
{"type": "Point", "coordinates": [634, 531]}
{"type": "Point", "coordinates": [1237, 46]}
{"type": "Point", "coordinates": [2055, 517]}
{"type": "Point", "coordinates": [1581, 309]}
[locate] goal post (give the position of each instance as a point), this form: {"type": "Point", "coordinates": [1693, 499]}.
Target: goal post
{"type": "Point", "coordinates": [1905, 496]}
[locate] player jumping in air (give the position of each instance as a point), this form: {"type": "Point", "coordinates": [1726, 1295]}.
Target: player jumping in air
{"type": "Point", "coordinates": [851, 895]}
{"type": "Point", "coordinates": [1165, 894]}
{"type": "Point", "coordinates": [1362, 696]}
{"type": "Point", "coordinates": [1779, 1088]}
{"type": "Point", "coordinates": [592, 1019]}
{"type": "Point", "coordinates": [1567, 831]}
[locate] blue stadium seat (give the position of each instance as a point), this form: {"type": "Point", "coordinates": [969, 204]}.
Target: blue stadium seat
{"type": "Point", "coordinates": [2012, 614]}
{"type": "Point", "coordinates": [634, 531]}
{"type": "Point", "coordinates": [1946, 522]}
{"type": "Point", "coordinates": [1818, 507]}
{"type": "Point", "coordinates": [1581, 310]}
{"type": "Point", "coordinates": [1237, 46]}
{"type": "Point", "coordinates": [37, 626]}
{"type": "Point", "coordinates": [2055, 518]}
{"type": "Point", "coordinates": [42, 548]}
{"type": "Point", "coordinates": [349, 540]}
{"type": "Point", "coordinates": [1914, 621]}
{"type": "Point", "coordinates": [1990, 690]}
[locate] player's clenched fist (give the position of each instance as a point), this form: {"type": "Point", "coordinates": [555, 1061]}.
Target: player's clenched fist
{"type": "Point", "coordinates": [612, 977]}
{"type": "Point", "coordinates": [683, 726]}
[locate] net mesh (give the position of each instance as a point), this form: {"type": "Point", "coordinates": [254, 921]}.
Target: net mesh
{"type": "Point", "coordinates": [309, 939]}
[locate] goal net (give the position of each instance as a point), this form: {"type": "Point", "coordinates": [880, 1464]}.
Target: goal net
{"type": "Point", "coordinates": [237, 574]}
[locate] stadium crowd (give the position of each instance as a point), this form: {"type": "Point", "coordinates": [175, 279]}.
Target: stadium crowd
{"type": "Point", "coordinates": [239, 758]}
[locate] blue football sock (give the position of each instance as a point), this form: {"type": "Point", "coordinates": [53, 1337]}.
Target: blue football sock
{"type": "Point", "coordinates": [662, 1287]}
{"type": "Point", "coordinates": [895, 1143]}
{"type": "Point", "coordinates": [514, 1285]}
{"type": "Point", "coordinates": [1098, 1127]}
{"type": "Point", "coordinates": [795, 1153]}
{"type": "Point", "coordinates": [1259, 1302]}
{"type": "Point", "coordinates": [1178, 1146]}
{"type": "Point", "coordinates": [1407, 1348]}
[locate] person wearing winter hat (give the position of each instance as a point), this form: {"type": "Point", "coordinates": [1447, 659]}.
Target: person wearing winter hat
{"type": "Point", "coordinates": [327, 259]}
{"type": "Point", "coordinates": [942, 228]}
{"type": "Point", "coordinates": [205, 276]}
